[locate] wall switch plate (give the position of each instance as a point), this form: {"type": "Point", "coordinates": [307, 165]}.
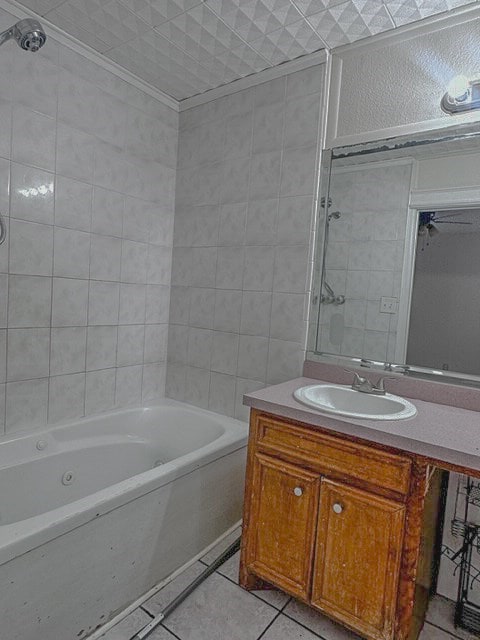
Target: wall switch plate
{"type": "Point", "coordinates": [388, 305]}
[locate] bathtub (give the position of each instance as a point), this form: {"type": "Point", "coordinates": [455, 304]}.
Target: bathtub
{"type": "Point", "coordinates": [94, 513]}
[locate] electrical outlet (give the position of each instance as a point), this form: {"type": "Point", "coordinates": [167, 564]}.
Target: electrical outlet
{"type": "Point", "coordinates": [388, 305]}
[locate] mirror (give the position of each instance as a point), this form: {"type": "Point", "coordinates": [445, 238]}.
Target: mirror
{"type": "Point", "coordinates": [398, 262]}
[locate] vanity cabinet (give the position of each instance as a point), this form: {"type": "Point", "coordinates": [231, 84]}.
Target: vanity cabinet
{"type": "Point", "coordinates": [334, 522]}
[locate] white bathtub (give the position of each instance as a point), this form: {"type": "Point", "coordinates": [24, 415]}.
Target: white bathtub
{"type": "Point", "coordinates": [94, 513]}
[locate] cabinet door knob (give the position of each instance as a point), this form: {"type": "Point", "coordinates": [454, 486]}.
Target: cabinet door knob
{"type": "Point", "coordinates": [298, 491]}
{"type": "Point", "coordinates": [337, 507]}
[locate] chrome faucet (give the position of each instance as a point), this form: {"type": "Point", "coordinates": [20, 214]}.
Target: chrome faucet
{"type": "Point", "coordinates": [364, 385]}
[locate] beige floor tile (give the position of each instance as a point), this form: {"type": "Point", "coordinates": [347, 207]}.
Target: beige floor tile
{"type": "Point", "coordinates": [275, 597]}
{"type": "Point", "coordinates": [429, 632]}
{"type": "Point", "coordinates": [159, 601]}
{"type": "Point", "coordinates": [130, 625]}
{"type": "Point", "coordinates": [220, 610]}
{"type": "Point", "coordinates": [317, 622]}
{"type": "Point", "coordinates": [284, 628]}
{"type": "Point", "coordinates": [441, 613]}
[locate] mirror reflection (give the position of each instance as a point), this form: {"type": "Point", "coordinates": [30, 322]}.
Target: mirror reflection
{"type": "Point", "coordinates": [401, 257]}
{"type": "Point", "coordinates": [445, 307]}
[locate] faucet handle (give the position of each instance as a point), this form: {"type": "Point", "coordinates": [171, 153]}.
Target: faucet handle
{"type": "Point", "coordinates": [380, 386]}
{"type": "Point", "coordinates": [357, 377]}
{"type": "Point", "coordinates": [360, 383]}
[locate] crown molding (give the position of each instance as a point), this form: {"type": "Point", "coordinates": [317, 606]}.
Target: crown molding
{"type": "Point", "coordinates": [445, 198]}
{"type": "Point", "coordinates": [393, 36]}
{"type": "Point", "coordinates": [309, 60]}
{"type": "Point", "coordinates": [64, 38]}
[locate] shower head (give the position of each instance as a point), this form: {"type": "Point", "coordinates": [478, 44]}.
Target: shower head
{"type": "Point", "coordinates": [28, 33]}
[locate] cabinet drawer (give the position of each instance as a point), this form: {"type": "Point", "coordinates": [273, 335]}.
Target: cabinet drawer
{"type": "Point", "coordinates": [329, 454]}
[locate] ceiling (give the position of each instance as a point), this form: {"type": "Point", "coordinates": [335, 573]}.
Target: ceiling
{"type": "Point", "coordinates": [186, 47]}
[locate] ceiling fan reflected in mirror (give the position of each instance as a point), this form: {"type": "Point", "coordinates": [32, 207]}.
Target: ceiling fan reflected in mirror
{"type": "Point", "coordinates": [428, 221]}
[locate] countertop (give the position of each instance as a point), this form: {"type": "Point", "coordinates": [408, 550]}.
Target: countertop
{"type": "Point", "coordinates": [438, 431]}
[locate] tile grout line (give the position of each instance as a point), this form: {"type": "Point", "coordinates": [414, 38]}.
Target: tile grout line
{"type": "Point", "coordinates": [249, 592]}
{"type": "Point", "coordinates": [304, 626]}
{"type": "Point", "coordinates": [174, 635]}
{"type": "Point", "coordinates": [146, 611]}
{"type": "Point", "coordinates": [286, 604]}
{"type": "Point", "coordinates": [282, 608]}
{"type": "Point", "coordinates": [279, 613]}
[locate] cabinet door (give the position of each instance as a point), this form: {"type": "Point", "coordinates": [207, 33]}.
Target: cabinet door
{"type": "Point", "coordinates": [280, 538]}
{"type": "Point", "coordinates": [358, 553]}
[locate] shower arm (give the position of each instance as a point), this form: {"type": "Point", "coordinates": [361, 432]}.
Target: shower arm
{"type": "Point", "coordinates": [328, 288]}
{"type": "Point", "coordinates": [6, 35]}
{"type": "Point", "coordinates": [3, 230]}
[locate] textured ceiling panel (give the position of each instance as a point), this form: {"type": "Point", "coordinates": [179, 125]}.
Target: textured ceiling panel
{"type": "Point", "coordinates": [186, 47]}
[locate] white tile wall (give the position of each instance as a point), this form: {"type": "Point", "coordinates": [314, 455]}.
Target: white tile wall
{"type": "Point", "coordinates": [241, 258]}
{"type": "Point", "coordinates": [87, 186]}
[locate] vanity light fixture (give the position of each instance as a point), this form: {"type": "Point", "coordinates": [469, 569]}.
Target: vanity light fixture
{"type": "Point", "coordinates": [463, 94]}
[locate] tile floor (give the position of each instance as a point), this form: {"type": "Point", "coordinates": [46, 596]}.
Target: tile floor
{"type": "Point", "coordinates": [220, 610]}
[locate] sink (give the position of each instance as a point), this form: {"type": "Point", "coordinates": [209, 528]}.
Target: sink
{"type": "Point", "coordinates": [343, 400]}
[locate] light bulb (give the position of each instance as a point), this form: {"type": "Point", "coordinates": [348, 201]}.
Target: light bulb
{"type": "Point", "coordinates": [459, 88]}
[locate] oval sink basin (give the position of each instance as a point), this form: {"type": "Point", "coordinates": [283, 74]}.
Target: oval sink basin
{"type": "Point", "coordinates": [342, 400]}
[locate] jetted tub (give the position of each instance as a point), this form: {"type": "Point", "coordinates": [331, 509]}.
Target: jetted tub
{"type": "Point", "coordinates": [94, 513]}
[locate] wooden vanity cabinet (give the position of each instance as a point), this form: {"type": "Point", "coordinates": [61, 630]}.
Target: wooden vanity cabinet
{"type": "Point", "coordinates": [335, 523]}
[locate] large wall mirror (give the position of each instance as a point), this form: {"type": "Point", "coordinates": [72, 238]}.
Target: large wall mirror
{"type": "Point", "coordinates": [398, 265]}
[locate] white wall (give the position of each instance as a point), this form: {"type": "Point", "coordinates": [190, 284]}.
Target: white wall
{"type": "Point", "coordinates": [87, 178]}
{"type": "Point", "coordinates": [393, 84]}
{"type": "Point", "coordinates": [243, 223]}
{"type": "Point", "coordinates": [445, 316]}
{"type": "Point", "coordinates": [451, 172]}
